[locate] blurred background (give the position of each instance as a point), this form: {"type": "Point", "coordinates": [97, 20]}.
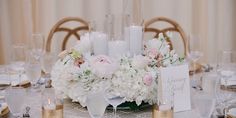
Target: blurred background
{"type": "Point", "coordinates": [213, 21]}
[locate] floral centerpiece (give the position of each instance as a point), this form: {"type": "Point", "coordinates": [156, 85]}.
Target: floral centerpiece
{"type": "Point", "coordinates": [78, 72]}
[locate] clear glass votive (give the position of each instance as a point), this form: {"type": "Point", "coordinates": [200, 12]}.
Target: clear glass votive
{"type": "Point", "coordinates": [59, 106]}
{"type": "Point", "coordinates": [164, 107]}
{"type": "Point", "coordinates": [49, 108]}
{"type": "Point", "coordinates": [162, 111]}
{"type": "Point", "coordinates": [52, 106]}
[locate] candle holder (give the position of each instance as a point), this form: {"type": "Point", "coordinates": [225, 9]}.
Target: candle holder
{"type": "Point", "coordinates": [48, 109]}
{"type": "Point", "coordinates": [158, 112]}
{"type": "Point", "coordinates": [117, 45]}
{"type": "Point", "coordinates": [52, 106]}
{"type": "Point", "coordinates": [165, 99]}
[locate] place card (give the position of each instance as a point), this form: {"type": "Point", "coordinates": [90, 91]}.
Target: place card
{"type": "Point", "coordinates": [179, 75]}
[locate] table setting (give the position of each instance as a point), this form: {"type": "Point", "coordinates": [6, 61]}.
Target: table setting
{"type": "Point", "coordinates": [73, 64]}
{"type": "Point", "coordinates": [113, 72]}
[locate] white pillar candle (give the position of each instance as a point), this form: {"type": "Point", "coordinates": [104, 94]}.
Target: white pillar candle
{"type": "Point", "coordinates": [100, 43]}
{"type": "Point", "coordinates": [117, 48]}
{"type": "Point", "coordinates": [135, 40]}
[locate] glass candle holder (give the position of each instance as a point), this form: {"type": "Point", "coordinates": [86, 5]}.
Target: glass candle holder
{"type": "Point", "coordinates": [162, 111]}
{"type": "Point", "coordinates": [165, 99]}
{"type": "Point", "coordinates": [52, 105]}
{"type": "Point", "coordinates": [49, 108]}
{"type": "Point", "coordinates": [59, 106]}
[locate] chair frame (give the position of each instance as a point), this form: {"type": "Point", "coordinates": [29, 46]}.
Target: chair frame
{"type": "Point", "coordinates": [59, 28]}
{"type": "Point", "coordinates": [175, 27]}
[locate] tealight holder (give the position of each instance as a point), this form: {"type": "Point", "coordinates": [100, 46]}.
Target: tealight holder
{"type": "Point", "coordinates": [52, 106]}
{"type": "Point", "coordinates": [59, 107]}
{"type": "Point", "coordinates": [165, 100]}
{"type": "Point", "coordinates": [162, 111]}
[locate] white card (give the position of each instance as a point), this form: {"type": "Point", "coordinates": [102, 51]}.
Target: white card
{"type": "Point", "coordinates": [180, 76]}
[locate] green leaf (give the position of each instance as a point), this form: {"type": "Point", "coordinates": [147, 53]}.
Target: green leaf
{"type": "Point", "coordinates": [75, 54]}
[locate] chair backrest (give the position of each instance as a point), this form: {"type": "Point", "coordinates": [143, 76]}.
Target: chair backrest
{"type": "Point", "coordinates": [175, 27]}
{"type": "Point", "coordinates": [70, 31]}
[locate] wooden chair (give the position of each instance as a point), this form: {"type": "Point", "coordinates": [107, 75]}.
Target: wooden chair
{"type": "Point", "coordinates": [175, 27]}
{"type": "Point", "coordinates": [58, 27]}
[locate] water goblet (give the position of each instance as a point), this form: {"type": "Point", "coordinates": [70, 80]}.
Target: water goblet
{"type": "Point", "coordinates": [33, 72]}
{"type": "Point", "coordinates": [113, 100]}
{"type": "Point", "coordinates": [194, 55]}
{"type": "Point", "coordinates": [37, 45]}
{"type": "Point", "coordinates": [226, 69]}
{"type": "Point", "coordinates": [18, 61]}
{"type": "Point", "coordinates": [15, 100]}
{"type": "Point", "coordinates": [47, 62]}
{"type": "Point", "coordinates": [96, 104]}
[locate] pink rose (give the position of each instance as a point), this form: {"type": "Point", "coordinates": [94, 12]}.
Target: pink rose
{"type": "Point", "coordinates": [103, 66]}
{"type": "Point", "coordinates": [147, 79]}
{"type": "Point", "coordinates": [152, 52]}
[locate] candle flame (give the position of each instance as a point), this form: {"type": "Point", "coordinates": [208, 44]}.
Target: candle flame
{"type": "Point", "coordinates": [49, 101]}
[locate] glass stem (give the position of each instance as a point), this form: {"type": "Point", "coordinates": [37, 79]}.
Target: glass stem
{"type": "Point", "coordinates": [20, 77]}
{"type": "Point", "coordinates": [115, 111]}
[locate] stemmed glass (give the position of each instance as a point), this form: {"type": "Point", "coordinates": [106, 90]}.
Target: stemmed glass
{"type": "Point", "coordinates": [47, 62]}
{"type": "Point", "coordinates": [194, 55]}
{"type": "Point", "coordinates": [37, 45]}
{"type": "Point", "coordinates": [113, 100]}
{"type": "Point", "coordinates": [226, 69]}
{"type": "Point", "coordinates": [17, 62]}
{"type": "Point", "coordinates": [96, 104]}
{"type": "Point", "coordinates": [33, 70]}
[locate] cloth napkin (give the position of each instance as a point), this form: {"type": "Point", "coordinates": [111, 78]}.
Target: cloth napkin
{"type": "Point", "coordinates": [13, 79]}
{"type": "Point", "coordinates": [228, 78]}
{"type": "Point", "coordinates": [4, 79]}
{"type": "Point", "coordinates": [3, 106]}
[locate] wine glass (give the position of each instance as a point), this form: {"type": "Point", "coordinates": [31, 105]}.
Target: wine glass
{"type": "Point", "coordinates": [96, 104]}
{"type": "Point", "coordinates": [47, 62]}
{"type": "Point", "coordinates": [15, 100]}
{"type": "Point", "coordinates": [194, 55]}
{"type": "Point", "coordinates": [226, 69]}
{"type": "Point", "coordinates": [37, 45]}
{"type": "Point", "coordinates": [33, 70]}
{"type": "Point", "coordinates": [17, 62]}
{"type": "Point", "coordinates": [113, 99]}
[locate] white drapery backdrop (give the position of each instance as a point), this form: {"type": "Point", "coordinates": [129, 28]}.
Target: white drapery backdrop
{"type": "Point", "coordinates": [212, 20]}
